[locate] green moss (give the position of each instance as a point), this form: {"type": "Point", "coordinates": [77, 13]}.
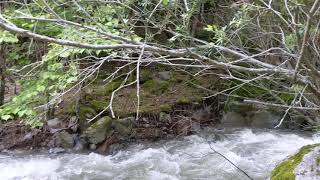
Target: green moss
{"type": "Point", "coordinates": [285, 170]}
{"type": "Point", "coordinates": [85, 112]}
{"type": "Point", "coordinates": [318, 160]}
{"type": "Point", "coordinates": [156, 87]}
{"type": "Point", "coordinates": [184, 100]}
{"type": "Point", "coordinates": [99, 105]}
{"type": "Point", "coordinates": [112, 86]}
{"type": "Point", "coordinates": [165, 107]}
{"type": "Point", "coordinates": [178, 77]}
{"type": "Point", "coordinates": [145, 76]}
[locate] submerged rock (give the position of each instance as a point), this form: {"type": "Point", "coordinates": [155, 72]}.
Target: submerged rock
{"type": "Point", "coordinates": [305, 165]}
{"type": "Point", "coordinates": [56, 150]}
{"type": "Point", "coordinates": [97, 132]}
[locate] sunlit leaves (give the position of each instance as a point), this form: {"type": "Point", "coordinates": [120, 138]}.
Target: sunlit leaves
{"type": "Point", "coordinates": [6, 37]}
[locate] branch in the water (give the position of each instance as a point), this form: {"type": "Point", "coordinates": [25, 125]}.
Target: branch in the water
{"type": "Point", "coordinates": [232, 163]}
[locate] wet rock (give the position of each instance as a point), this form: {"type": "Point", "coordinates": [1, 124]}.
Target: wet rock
{"type": "Point", "coordinates": [65, 140]}
{"type": "Point", "coordinates": [195, 126]}
{"type": "Point", "coordinates": [233, 119]}
{"type": "Point", "coordinates": [165, 75]}
{"type": "Point", "coordinates": [124, 130]}
{"type": "Point", "coordinates": [80, 144]}
{"type": "Point", "coordinates": [264, 119]}
{"type": "Point", "coordinates": [115, 148]}
{"type": "Point", "coordinates": [56, 150]}
{"type": "Point", "coordinates": [97, 132]}
{"type": "Point", "coordinates": [105, 147]}
{"type": "Point", "coordinates": [92, 147]}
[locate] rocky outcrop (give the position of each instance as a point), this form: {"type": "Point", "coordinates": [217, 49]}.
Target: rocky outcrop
{"type": "Point", "coordinates": [305, 165]}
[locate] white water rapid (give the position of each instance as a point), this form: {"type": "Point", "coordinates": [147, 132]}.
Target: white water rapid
{"type": "Point", "coordinates": [189, 158]}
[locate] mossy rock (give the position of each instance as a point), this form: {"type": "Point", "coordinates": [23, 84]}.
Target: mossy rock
{"type": "Point", "coordinates": [285, 170]}
{"type": "Point", "coordinates": [97, 132]}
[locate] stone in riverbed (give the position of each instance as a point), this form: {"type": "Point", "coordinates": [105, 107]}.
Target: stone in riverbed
{"type": "Point", "coordinates": [65, 140]}
{"type": "Point", "coordinates": [56, 150]}
{"type": "Point", "coordinates": [97, 132]}
{"type": "Point", "coordinates": [124, 129]}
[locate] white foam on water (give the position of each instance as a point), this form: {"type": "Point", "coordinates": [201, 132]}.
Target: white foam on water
{"type": "Point", "coordinates": [254, 151]}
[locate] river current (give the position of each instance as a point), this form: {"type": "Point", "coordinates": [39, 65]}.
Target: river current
{"type": "Point", "coordinates": [189, 158]}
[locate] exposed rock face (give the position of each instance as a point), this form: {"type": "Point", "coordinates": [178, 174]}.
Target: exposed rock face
{"type": "Point", "coordinates": [305, 165]}
{"type": "Point", "coordinates": [97, 132]}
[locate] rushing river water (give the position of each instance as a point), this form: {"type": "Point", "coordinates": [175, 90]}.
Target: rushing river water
{"type": "Point", "coordinates": [254, 151]}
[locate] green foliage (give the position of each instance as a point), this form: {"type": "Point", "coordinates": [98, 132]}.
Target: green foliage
{"type": "Point", "coordinates": [219, 33]}
{"type": "Point", "coordinates": [6, 37]}
{"type": "Point", "coordinates": [291, 41]}
{"type": "Point", "coordinates": [54, 78]}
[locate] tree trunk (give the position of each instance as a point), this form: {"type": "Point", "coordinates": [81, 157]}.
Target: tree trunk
{"type": "Point", "coordinates": [2, 74]}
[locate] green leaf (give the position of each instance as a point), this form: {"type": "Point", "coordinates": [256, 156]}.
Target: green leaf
{"type": "Point", "coordinates": [165, 2]}
{"type": "Point", "coordinates": [6, 117]}
{"type": "Point", "coordinates": [6, 37]}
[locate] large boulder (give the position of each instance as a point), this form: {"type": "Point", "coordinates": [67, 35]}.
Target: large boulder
{"type": "Point", "coordinates": [304, 165]}
{"type": "Point", "coordinates": [97, 132]}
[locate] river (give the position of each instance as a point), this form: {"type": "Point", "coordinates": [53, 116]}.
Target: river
{"type": "Point", "coordinates": [254, 151]}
